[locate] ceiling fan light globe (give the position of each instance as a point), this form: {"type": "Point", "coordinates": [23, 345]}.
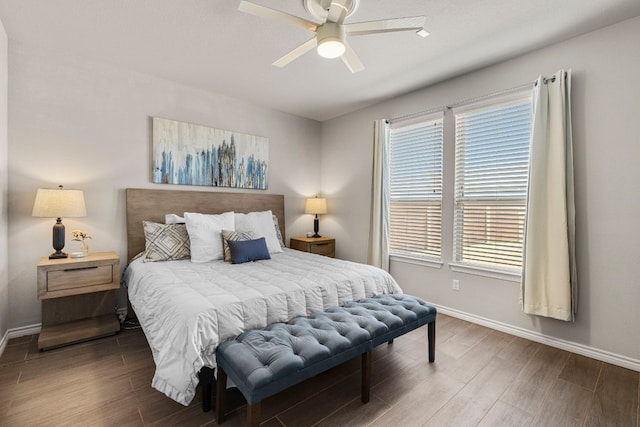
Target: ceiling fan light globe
{"type": "Point", "coordinates": [331, 48]}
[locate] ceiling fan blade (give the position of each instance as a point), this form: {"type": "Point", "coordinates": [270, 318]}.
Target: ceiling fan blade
{"type": "Point", "coordinates": [350, 59]}
{"type": "Point", "coordinates": [411, 23]}
{"type": "Point", "coordinates": [266, 12]}
{"type": "Point", "coordinates": [296, 53]}
{"type": "Point", "coordinates": [338, 10]}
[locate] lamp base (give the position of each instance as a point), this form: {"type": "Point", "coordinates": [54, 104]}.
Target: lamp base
{"type": "Point", "coordinates": [58, 240]}
{"type": "Point", "coordinates": [316, 227]}
{"type": "Point", "coordinates": [58, 255]}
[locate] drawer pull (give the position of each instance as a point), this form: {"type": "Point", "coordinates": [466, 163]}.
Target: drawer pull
{"type": "Point", "coordinates": [321, 244]}
{"type": "Point", "coordinates": [81, 268]}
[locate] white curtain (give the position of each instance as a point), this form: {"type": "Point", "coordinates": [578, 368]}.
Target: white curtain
{"type": "Point", "coordinates": [549, 286]}
{"type": "Point", "coordinates": [379, 227]}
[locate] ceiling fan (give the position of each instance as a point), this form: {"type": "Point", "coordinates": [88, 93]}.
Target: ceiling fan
{"type": "Point", "coordinates": [331, 32]}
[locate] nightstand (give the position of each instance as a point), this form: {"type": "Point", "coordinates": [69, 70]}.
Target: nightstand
{"type": "Point", "coordinates": [316, 245]}
{"type": "Point", "coordinates": [78, 298]}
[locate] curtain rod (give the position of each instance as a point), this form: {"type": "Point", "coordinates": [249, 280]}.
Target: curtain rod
{"type": "Point", "coordinates": [470, 100]}
{"type": "Point", "coordinates": [458, 103]}
{"type": "Point", "coordinates": [490, 95]}
{"type": "Point", "coordinates": [418, 114]}
{"type": "Point", "coordinates": [546, 80]}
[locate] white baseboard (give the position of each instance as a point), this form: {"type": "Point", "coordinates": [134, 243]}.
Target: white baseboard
{"type": "Point", "coordinates": [24, 330]}
{"type": "Point", "coordinates": [17, 333]}
{"type": "Point", "coordinates": [573, 347]}
{"type": "Point", "coordinates": [3, 342]}
{"type": "Point", "coordinates": [35, 329]}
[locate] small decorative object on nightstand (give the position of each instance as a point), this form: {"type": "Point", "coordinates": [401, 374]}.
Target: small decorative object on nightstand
{"type": "Point", "coordinates": [81, 236]}
{"type": "Point", "coordinates": [316, 245]}
{"type": "Point", "coordinates": [78, 298]}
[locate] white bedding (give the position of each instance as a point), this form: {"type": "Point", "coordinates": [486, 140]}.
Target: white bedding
{"type": "Point", "coordinates": [186, 309]}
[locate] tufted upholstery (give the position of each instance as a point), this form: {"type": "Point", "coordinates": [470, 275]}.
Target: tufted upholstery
{"type": "Point", "coordinates": [266, 361]}
{"type": "Point", "coordinates": [400, 313]}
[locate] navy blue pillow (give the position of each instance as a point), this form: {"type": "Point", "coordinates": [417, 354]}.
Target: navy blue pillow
{"type": "Point", "coordinates": [248, 250]}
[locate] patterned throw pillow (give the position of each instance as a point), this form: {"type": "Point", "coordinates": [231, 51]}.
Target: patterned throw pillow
{"type": "Point", "coordinates": [278, 233]}
{"type": "Point", "coordinates": [234, 236]}
{"type": "Point", "coordinates": [166, 242]}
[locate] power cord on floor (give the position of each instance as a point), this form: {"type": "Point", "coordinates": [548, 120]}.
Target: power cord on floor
{"type": "Point", "coordinates": [130, 324]}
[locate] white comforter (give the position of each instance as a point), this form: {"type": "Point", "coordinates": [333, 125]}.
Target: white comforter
{"type": "Point", "coordinates": [186, 309]}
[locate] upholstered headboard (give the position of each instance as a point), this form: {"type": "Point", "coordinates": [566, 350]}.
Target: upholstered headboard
{"type": "Point", "coordinates": [152, 205]}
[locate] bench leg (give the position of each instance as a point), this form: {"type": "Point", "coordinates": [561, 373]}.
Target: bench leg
{"type": "Point", "coordinates": [221, 395]}
{"type": "Point", "coordinates": [365, 381]}
{"type": "Point", "coordinates": [390, 342]}
{"type": "Point", "coordinates": [206, 380]}
{"type": "Point", "coordinates": [253, 415]}
{"type": "Point", "coordinates": [432, 341]}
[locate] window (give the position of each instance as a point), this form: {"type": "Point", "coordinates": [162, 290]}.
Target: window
{"type": "Point", "coordinates": [491, 174]}
{"type": "Point", "coordinates": [415, 188]}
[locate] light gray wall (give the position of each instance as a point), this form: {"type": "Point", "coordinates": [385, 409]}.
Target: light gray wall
{"type": "Point", "coordinates": [606, 108]}
{"type": "Point", "coordinates": [4, 184]}
{"type": "Point", "coordinates": [87, 126]}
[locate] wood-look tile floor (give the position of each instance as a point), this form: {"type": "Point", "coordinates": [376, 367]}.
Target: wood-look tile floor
{"type": "Point", "coordinates": [481, 377]}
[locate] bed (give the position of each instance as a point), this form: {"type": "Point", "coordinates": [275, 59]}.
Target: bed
{"type": "Point", "coordinates": [186, 308]}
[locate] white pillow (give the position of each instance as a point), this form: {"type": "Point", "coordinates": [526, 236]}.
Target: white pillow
{"type": "Point", "coordinates": [261, 225]}
{"type": "Point", "coordinates": [205, 234]}
{"type": "Point", "coordinates": [173, 219]}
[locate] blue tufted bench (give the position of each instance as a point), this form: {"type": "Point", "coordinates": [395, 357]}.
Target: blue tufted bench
{"type": "Point", "coordinates": [266, 361]}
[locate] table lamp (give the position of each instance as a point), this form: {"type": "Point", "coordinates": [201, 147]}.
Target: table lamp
{"type": "Point", "coordinates": [316, 206]}
{"type": "Point", "coordinates": [57, 204]}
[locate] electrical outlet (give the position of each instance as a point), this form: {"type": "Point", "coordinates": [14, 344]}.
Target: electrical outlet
{"type": "Point", "coordinates": [455, 285]}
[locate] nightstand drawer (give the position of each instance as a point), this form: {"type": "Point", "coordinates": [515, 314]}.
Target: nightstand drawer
{"type": "Point", "coordinates": [72, 278]}
{"type": "Point", "coordinates": [64, 277]}
{"type": "Point", "coordinates": [316, 245]}
{"type": "Point", "coordinates": [323, 248]}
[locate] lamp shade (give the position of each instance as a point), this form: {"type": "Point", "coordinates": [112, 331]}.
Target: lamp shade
{"type": "Point", "coordinates": [316, 206]}
{"type": "Point", "coordinates": [59, 204]}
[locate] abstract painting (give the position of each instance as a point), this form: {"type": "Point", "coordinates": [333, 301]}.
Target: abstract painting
{"type": "Point", "coordinates": [184, 153]}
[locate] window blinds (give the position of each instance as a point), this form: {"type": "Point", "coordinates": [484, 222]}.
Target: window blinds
{"type": "Point", "coordinates": [415, 188]}
{"type": "Point", "coordinates": [491, 168]}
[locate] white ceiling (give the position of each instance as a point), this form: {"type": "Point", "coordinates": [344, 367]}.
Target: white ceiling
{"type": "Point", "coordinates": [210, 45]}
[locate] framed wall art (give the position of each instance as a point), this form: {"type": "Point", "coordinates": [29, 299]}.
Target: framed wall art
{"type": "Point", "coordinates": [185, 153]}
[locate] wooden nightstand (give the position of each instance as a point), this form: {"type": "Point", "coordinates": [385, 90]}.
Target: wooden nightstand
{"type": "Point", "coordinates": [316, 245]}
{"type": "Point", "coordinates": [78, 298]}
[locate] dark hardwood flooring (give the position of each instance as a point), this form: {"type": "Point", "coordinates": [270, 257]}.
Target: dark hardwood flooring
{"type": "Point", "coordinates": [481, 377]}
